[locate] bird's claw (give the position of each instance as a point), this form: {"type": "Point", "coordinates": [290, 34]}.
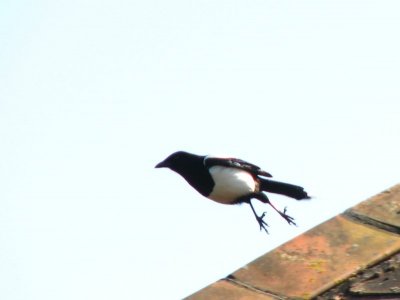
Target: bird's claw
{"type": "Point", "coordinates": [262, 223]}
{"type": "Point", "coordinates": [288, 218]}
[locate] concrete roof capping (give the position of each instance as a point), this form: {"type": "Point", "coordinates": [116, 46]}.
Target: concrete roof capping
{"type": "Point", "coordinates": [355, 255]}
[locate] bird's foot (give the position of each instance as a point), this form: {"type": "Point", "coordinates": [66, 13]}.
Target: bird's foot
{"type": "Point", "coordinates": [288, 218]}
{"type": "Point", "coordinates": [262, 223]}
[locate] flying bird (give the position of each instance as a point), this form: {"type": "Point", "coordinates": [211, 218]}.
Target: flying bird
{"type": "Point", "coordinates": [231, 181]}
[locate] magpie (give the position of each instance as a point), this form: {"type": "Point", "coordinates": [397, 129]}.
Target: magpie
{"type": "Point", "coordinates": [231, 181]}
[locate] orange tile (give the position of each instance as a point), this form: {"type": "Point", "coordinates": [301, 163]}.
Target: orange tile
{"type": "Point", "coordinates": [318, 259]}
{"type": "Point", "coordinates": [384, 207]}
{"type": "Point", "coordinates": [224, 290]}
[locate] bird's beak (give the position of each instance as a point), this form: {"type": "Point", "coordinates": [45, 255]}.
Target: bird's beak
{"type": "Point", "coordinates": [162, 164]}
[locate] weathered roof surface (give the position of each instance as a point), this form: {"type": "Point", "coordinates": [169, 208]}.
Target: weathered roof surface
{"type": "Point", "coordinates": [351, 256]}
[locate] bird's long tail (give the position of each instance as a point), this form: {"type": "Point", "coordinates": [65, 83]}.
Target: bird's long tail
{"type": "Point", "coordinates": [286, 189]}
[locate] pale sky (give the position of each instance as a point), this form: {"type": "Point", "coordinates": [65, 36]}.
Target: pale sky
{"type": "Point", "coordinates": [94, 93]}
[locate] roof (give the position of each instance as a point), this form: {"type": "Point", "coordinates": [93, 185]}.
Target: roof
{"type": "Point", "coordinates": [355, 255]}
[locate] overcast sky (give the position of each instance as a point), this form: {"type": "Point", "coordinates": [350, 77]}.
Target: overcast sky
{"type": "Point", "coordinates": [94, 93]}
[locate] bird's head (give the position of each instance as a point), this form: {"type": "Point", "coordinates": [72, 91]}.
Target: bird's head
{"type": "Point", "coordinates": [175, 161]}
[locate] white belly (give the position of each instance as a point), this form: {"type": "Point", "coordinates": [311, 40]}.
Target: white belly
{"type": "Point", "coordinates": [230, 184]}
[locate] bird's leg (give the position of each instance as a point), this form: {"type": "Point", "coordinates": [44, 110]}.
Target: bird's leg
{"type": "Point", "coordinates": [264, 198]}
{"type": "Point", "coordinates": [260, 219]}
{"type": "Point", "coordinates": [261, 222]}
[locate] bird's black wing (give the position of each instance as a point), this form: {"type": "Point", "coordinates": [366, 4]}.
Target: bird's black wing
{"type": "Point", "coordinates": [210, 161]}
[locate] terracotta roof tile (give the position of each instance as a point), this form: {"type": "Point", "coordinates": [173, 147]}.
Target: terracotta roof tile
{"type": "Point", "coordinates": [318, 259]}
{"type": "Point", "coordinates": [321, 258]}
{"type": "Point", "coordinates": [383, 208]}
